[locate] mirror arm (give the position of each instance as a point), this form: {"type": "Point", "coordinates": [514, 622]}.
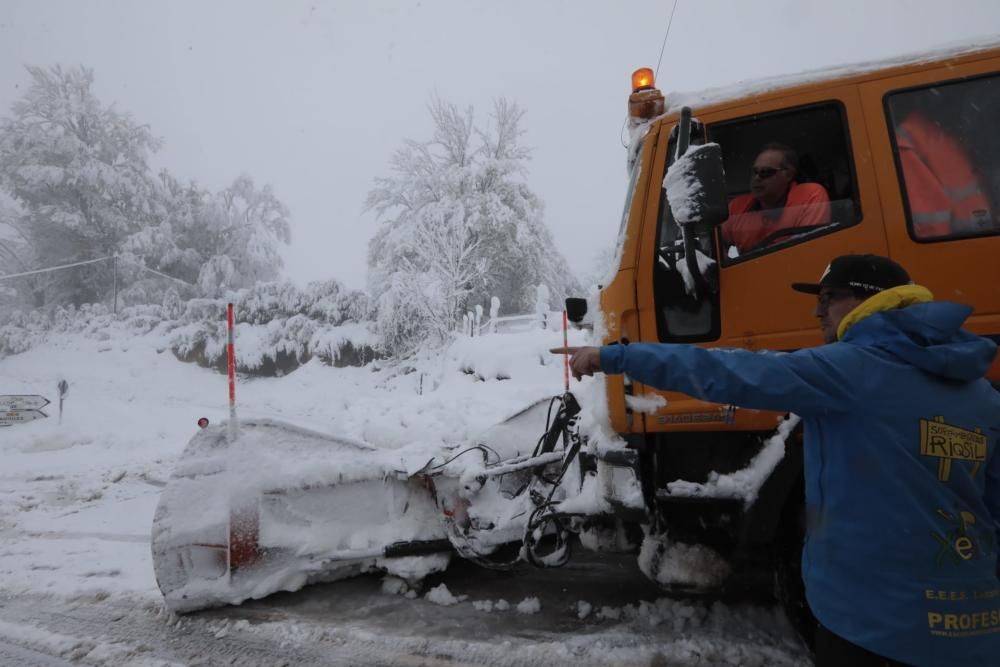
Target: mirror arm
{"type": "Point", "coordinates": [690, 256]}
{"type": "Point", "coordinates": [683, 132]}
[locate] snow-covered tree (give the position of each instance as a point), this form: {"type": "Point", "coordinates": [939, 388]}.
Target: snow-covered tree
{"type": "Point", "coordinates": [458, 225]}
{"type": "Point", "coordinates": [169, 243]}
{"type": "Point", "coordinates": [514, 238]}
{"type": "Point", "coordinates": [218, 241]}
{"type": "Point", "coordinates": [78, 173]}
{"type": "Point", "coordinates": [15, 256]}
{"type": "Point", "coordinates": [242, 228]}
{"type": "Point", "coordinates": [79, 168]}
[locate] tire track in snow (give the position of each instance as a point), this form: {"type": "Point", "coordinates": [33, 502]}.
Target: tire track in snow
{"type": "Point", "coordinates": [54, 633]}
{"type": "Point", "coordinates": [353, 622]}
{"type": "Point", "coordinates": [12, 654]}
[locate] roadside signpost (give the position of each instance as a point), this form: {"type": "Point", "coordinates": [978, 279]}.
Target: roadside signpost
{"type": "Point", "coordinates": [16, 409]}
{"type": "Point", "coordinates": [30, 402]}
{"type": "Point", "coordinates": [64, 389]}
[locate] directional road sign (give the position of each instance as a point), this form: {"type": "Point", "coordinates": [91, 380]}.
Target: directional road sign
{"type": "Point", "coordinates": [25, 402]}
{"type": "Point", "coordinates": [20, 416]}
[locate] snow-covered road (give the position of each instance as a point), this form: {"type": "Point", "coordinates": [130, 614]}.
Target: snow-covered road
{"type": "Point", "coordinates": [357, 622]}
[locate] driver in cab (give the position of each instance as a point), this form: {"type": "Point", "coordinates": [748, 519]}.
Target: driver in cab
{"type": "Point", "coordinates": [776, 202]}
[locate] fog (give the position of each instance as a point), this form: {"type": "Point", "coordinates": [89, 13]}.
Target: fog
{"type": "Point", "coordinates": [313, 97]}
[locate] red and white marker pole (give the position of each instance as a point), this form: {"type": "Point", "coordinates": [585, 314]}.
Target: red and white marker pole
{"type": "Point", "coordinates": [231, 353]}
{"type": "Point", "coordinates": [566, 344]}
{"type": "Point", "coordinates": [244, 519]}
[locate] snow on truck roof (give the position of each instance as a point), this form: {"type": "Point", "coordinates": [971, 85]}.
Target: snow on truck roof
{"type": "Point", "coordinates": [749, 88]}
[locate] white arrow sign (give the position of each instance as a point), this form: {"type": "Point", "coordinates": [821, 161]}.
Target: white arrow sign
{"type": "Point", "coordinates": [20, 416]}
{"type": "Point", "coordinates": [27, 402]}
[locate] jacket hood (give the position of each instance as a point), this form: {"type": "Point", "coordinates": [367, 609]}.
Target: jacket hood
{"type": "Point", "coordinates": [929, 336]}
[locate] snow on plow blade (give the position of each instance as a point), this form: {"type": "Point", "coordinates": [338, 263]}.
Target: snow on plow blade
{"type": "Point", "coordinates": [281, 507]}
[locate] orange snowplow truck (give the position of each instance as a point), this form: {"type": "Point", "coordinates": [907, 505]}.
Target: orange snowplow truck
{"type": "Point", "coordinates": [909, 156]}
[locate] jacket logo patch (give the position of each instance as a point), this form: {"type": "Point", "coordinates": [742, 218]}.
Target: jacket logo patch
{"type": "Point", "coordinates": [963, 538]}
{"type": "Point", "coordinates": [950, 443]}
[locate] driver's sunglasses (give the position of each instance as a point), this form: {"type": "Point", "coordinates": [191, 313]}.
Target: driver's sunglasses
{"type": "Point", "coordinates": [764, 173]}
{"type": "Point", "coordinates": [826, 298]}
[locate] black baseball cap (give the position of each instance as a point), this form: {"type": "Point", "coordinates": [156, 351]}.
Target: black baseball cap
{"type": "Point", "coordinates": [865, 273]}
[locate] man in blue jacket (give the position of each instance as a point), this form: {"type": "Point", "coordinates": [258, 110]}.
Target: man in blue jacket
{"type": "Point", "coordinates": [902, 475]}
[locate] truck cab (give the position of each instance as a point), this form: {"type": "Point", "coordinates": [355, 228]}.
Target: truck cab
{"type": "Point", "coordinates": [909, 158]}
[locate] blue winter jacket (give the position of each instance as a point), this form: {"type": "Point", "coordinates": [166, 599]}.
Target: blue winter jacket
{"type": "Point", "coordinates": [902, 476]}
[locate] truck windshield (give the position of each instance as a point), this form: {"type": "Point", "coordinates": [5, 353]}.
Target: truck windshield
{"type": "Point", "coordinates": [635, 152]}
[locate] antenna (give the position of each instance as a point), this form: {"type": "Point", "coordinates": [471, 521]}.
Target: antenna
{"type": "Point", "coordinates": [670, 22]}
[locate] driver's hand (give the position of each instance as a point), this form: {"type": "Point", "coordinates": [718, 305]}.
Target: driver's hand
{"type": "Point", "coordinates": [582, 361]}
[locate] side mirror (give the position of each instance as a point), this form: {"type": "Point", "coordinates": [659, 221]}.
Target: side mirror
{"type": "Point", "coordinates": [696, 187]}
{"type": "Point", "coordinates": [576, 309]}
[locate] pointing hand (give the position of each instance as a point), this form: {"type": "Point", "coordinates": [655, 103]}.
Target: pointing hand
{"type": "Point", "coordinates": [583, 360]}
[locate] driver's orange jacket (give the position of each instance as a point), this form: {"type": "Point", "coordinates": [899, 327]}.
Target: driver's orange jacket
{"type": "Point", "coordinates": [749, 227]}
{"type": "Point", "coordinates": [941, 184]}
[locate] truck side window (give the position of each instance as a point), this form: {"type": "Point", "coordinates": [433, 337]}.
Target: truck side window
{"type": "Point", "coordinates": [947, 154]}
{"type": "Point", "coordinates": [789, 176]}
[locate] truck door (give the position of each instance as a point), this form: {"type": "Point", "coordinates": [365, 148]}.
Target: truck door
{"type": "Point", "coordinates": [824, 132]}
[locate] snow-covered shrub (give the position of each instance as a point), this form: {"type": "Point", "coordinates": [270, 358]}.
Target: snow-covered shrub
{"type": "Point", "coordinates": [199, 342]}
{"type": "Point", "coordinates": [402, 319]}
{"type": "Point", "coordinates": [352, 344]}
{"type": "Point", "coordinates": [199, 310]}
{"type": "Point", "coordinates": [21, 333]}
{"type": "Point", "coordinates": [142, 319]}
{"type": "Point", "coordinates": [278, 328]}
{"type": "Point", "coordinates": [276, 347]}
{"type": "Point", "coordinates": [146, 291]}
{"type": "Point", "coordinates": [25, 330]}
{"type": "Point", "coordinates": [63, 318]}
{"type": "Point", "coordinates": [328, 302]}
{"type": "Point", "coordinates": [269, 301]}
{"type": "Point", "coordinates": [172, 305]}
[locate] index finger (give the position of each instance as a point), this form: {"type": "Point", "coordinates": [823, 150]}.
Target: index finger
{"type": "Point", "coordinates": [564, 350]}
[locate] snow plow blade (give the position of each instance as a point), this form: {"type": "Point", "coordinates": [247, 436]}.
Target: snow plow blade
{"type": "Point", "coordinates": [280, 507]}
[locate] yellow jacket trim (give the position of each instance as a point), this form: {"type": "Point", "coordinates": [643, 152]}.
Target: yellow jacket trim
{"type": "Point", "coordinates": [890, 299]}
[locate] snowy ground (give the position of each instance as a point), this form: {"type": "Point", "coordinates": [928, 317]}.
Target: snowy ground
{"type": "Point", "coordinates": [77, 500]}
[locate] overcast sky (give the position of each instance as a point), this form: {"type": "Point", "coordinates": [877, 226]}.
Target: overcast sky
{"type": "Point", "coordinates": [313, 97]}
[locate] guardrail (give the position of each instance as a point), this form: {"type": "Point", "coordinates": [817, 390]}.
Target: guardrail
{"type": "Point", "coordinates": [551, 320]}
